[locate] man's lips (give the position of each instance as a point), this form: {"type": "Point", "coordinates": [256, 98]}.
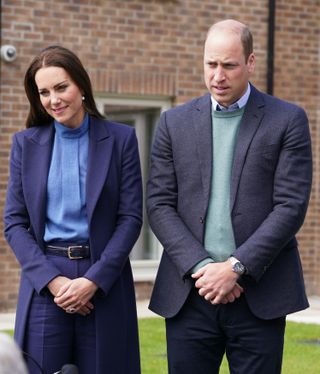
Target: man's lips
{"type": "Point", "coordinates": [220, 89]}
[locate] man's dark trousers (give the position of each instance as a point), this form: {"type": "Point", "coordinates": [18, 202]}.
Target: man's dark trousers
{"type": "Point", "coordinates": [201, 333]}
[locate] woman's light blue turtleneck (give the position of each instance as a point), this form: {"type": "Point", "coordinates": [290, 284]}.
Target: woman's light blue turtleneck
{"type": "Point", "coordinates": [66, 190]}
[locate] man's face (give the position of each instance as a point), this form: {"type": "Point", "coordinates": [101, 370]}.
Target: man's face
{"type": "Point", "coordinates": [226, 72]}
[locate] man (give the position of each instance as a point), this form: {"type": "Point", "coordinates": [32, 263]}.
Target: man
{"type": "Point", "coordinates": [229, 187]}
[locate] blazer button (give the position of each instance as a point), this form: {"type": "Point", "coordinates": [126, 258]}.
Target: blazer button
{"type": "Point", "coordinates": [201, 220]}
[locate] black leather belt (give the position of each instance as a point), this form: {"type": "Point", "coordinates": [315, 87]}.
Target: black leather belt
{"type": "Point", "coordinates": [73, 252]}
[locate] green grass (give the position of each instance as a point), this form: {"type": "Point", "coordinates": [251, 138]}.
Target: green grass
{"type": "Point", "coordinates": [153, 346]}
{"type": "Point", "coordinates": [10, 332]}
{"type": "Point", "coordinates": [300, 355]}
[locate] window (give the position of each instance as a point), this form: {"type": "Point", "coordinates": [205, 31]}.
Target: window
{"type": "Point", "coordinates": [143, 115]}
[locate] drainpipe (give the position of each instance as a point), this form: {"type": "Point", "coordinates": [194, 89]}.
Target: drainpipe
{"type": "Point", "coordinates": [270, 56]}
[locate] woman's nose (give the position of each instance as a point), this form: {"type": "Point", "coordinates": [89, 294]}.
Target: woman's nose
{"type": "Point", "coordinates": [55, 99]}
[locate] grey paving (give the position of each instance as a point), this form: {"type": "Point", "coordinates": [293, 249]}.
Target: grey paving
{"type": "Point", "coordinates": [310, 315]}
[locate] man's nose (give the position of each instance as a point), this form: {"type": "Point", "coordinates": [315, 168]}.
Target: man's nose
{"type": "Point", "coordinates": [219, 75]}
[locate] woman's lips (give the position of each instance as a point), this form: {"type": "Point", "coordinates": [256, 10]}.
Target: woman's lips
{"type": "Point", "coordinates": [59, 110]}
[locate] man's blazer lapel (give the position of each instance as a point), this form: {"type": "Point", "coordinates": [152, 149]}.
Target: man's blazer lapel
{"type": "Point", "coordinates": [250, 122]}
{"type": "Point", "coordinates": [203, 129]}
{"type": "Point", "coordinates": [37, 150]}
{"type": "Point", "coordinates": [99, 157]}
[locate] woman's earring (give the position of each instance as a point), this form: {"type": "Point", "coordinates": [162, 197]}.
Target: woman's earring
{"type": "Point", "coordinates": [83, 98]}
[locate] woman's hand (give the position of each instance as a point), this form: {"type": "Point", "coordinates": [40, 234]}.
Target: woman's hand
{"type": "Point", "coordinates": [55, 285]}
{"type": "Point", "coordinates": [74, 296]}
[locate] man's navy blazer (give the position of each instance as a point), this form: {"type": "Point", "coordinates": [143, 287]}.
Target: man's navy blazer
{"type": "Point", "coordinates": [270, 187]}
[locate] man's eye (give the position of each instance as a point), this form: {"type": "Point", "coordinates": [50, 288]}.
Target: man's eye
{"type": "Point", "coordinates": [229, 66]}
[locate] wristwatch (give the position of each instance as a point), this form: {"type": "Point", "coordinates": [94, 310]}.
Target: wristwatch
{"type": "Point", "coordinates": [237, 266]}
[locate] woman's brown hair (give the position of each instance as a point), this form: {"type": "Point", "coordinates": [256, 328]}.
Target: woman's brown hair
{"type": "Point", "coordinates": [60, 57]}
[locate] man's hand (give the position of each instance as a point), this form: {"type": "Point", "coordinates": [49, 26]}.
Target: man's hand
{"type": "Point", "coordinates": [217, 282]}
{"type": "Point", "coordinates": [232, 295]}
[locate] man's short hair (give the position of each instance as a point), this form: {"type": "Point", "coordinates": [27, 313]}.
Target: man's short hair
{"type": "Point", "coordinates": [237, 28]}
{"type": "Point", "coordinates": [247, 42]}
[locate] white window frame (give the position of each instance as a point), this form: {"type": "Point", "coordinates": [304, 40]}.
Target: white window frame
{"type": "Point", "coordinates": [143, 270]}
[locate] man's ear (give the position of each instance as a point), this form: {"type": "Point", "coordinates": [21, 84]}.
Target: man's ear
{"type": "Point", "coordinates": [251, 63]}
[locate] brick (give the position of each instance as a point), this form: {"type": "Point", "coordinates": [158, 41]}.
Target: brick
{"type": "Point", "coordinates": [155, 48]}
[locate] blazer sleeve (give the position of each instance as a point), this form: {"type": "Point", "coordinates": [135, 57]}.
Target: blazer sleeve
{"type": "Point", "coordinates": [107, 269]}
{"type": "Point", "coordinates": [183, 248]}
{"type": "Point", "coordinates": [291, 191]}
{"type": "Point", "coordinates": [17, 227]}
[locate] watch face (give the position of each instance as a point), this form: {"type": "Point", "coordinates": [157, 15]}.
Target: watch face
{"type": "Point", "coordinates": [238, 268]}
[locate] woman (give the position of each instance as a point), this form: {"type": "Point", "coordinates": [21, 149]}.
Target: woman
{"type": "Point", "coordinates": [72, 215]}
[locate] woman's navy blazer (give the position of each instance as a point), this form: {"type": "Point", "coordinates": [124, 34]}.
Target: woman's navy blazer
{"type": "Point", "coordinates": [114, 210]}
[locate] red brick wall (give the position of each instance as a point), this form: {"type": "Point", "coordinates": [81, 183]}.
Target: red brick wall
{"type": "Point", "coordinates": [297, 78]}
{"type": "Point", "coordinates": [154, 47]}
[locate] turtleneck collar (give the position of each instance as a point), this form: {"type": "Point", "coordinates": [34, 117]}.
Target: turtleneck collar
{"type": "Point", "coordinates": [67, 132]}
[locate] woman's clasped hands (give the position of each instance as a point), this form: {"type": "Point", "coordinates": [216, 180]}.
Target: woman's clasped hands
{"type": "Point", "coordinates": [73, 295]}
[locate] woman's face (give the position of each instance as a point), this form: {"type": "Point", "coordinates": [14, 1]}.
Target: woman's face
{"type": "Point", "coordinates": [60, 96]}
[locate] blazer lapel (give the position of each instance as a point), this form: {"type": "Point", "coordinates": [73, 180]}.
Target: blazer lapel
{"type": "Point", "coordinates": [203, 128]}
{"type": "Point", "coordinates": [249, 124]}
{"type": "Point", "coordinates": [99, 157]}
{"type": "Point", "coordinates": [36, 162]}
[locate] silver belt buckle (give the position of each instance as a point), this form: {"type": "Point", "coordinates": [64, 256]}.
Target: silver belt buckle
{"type": "Point", "coordinates": [70, 256]}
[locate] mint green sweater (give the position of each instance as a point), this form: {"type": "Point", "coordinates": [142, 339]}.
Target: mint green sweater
{"type": "Point", "coordinates": [219, 239]}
